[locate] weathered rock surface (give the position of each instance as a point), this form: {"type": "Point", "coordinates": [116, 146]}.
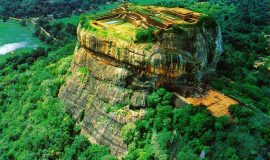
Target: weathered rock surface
{"type": "Point", "coordinates": [88, 97]}
{"type": "Point", "coordinates": [109, 71]}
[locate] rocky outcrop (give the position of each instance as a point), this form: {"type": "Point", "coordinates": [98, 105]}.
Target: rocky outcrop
{"type": "Point", "coordinates": [111, 77]}
{"type": "Point", "coordinates": [89, 99]}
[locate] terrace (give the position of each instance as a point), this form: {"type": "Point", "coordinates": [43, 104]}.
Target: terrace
{"type": "Point", "coordinates": [216, 102]}
{"type": "Point", "coordinates": [124, 21]}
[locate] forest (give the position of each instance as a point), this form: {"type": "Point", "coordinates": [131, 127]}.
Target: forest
{"type": "Point", "coordinates": [190, 133]}
{"type": "Point", "coordinates": [46, 8]}
{"type": "Point", "coordinates": [34, 125]}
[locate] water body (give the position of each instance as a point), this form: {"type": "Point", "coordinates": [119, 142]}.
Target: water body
{"type": "Point", "coordinates": [14, 37]}
{"type": "Point", "coordinates": [6, 48]}
{"type": "Point", "coordinates": [112, 22]}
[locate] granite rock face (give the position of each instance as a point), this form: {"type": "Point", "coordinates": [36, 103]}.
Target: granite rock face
{"type": "Point", "coordinates": [111, 77]}
{"type": "Point", "coordinates": [90, 97]}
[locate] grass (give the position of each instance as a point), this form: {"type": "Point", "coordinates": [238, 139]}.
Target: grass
{"type": "Point", "coordinates": [140, 9]}
{"type": "Point", "coordinates": [150, 2]}
{"type": "Point", "coordinates": [157, 19]}
{"type": "Point", "coordinates": [124, 31]}
{"type": "Point", "coordinates": [84, 72]}
{"type": "Point", "coordinates": [75, 19]}
{"type": "Point", "coordinates": [119, 30]}
{"type": "Point", "coordinates": [13, 32]}
{"type": "Point", "coordinates": [171, 15]}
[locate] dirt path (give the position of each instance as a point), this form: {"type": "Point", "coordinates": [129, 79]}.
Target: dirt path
{"type": "Point", "coordinates": [32, 20]}
{"type": "Point", "coordinates": [42, 29]}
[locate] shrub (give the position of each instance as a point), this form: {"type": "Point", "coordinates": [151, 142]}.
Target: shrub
{"type": "Point", "coordinates": [145, 35]}
{"type": "Point", "coordinates": [208, 21]}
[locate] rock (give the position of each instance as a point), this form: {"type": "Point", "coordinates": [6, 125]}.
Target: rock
{"type": "Point", "coordinates": [110, 71]}
{"type": "Point", "coordinates": [138, 98]}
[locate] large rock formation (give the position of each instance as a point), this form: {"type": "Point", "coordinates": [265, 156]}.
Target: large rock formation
{"type": "Point", "coordinates": [117, 62]}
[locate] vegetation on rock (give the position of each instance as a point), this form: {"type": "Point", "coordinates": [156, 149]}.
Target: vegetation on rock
{"type": "Point", "coordinates": [145, 35]}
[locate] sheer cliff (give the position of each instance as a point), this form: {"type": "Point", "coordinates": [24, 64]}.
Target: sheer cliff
{"type": "Point", "coordinates": [123, 55]}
